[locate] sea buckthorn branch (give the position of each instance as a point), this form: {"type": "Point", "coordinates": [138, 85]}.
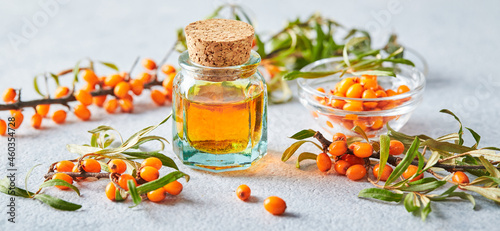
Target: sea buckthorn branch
{"type": "Point", "coordinates": [79, 174]}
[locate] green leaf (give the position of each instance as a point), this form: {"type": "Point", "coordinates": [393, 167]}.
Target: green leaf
{"type": "Point", "coordinates": [165, 160]}
{"type": "Point", "coordinates": [424, 187]}
{"type": "Point", "coordinates": [293, 148]}
{"type": "Point", "coordinates": [56, 78]}
{"type": "Point", "coordinates": [433, 159]}
{"type": "Point", "coordinates": [15, 191]}
{"type": "Point", "coordinates": [348, 46]}
{"type": "Point", "coordinates": [308, 75]}
{"type": "Point", "coordinates": [305, 156]}
{"type": "Point", "coordinates": [136, 198]}
{"type": "Point", "coordinates": [93, 140]}
{"type": "Point", "coordinates": [35, 85]}
{"type": "Point", "coordinates": [27, 177]}
{"type": "Point", "coordinates": [476, 136]}
{"type": "Point", "coordinates": [361, 132]}
{"type": "Point", "coordinates": [460, 130]}
{"type": "Point", "coordinates": [385, 143]}
{"type": "Point", "coordinates": [260, 47]}
{"type": "Point", "coordinates": [380, 194]}
{"type": "Point", "coordinates": [120, 195]}
{"type": "Point", "coordinates": [110, 65]}
{"type": "Point", "coordinates": [401, 61]}
{"type": "Point", "coordinates": [375, 72]}
{"type": "Point", "coordinates": [426, 207]}
{"type": "Point", "coordinates": [156, 184]}
{"type": "Point", "coordinates": [403, 165]}
{"type": "Point", "coordinates": [76, 70]}
{"type": "Point", "coordinates": [57, 203]}
{"type": "Point", "coordinates": [445, 146]}
{"type": "Point", "coordinates": [104, 128]}
{"type": "Point", "coordinates": [318, 47]}
{"type": "Point", "coordinates": [489, 167]}
{"type": "Point", "coordinates": [464, 196]}
{"type": "Point", "coordinates": [490, 193]}
{"type": "Point", "coordinates": [304, 134]}
{"type": "Point", "coordinates": [411, 202]}
{"type": "Point", "coordinates": [486, 180]}
{"type": "Point", "coordinates": [59, 182]}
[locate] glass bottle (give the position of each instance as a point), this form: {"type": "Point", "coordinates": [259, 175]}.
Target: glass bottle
{"type": "Point", "coordinates": [219, 114]}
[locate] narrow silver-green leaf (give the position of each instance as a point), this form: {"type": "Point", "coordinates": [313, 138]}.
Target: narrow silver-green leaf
{"type": "Point", "coordinates": [411, 202]}
{"type": "Point", "coordinates": [304, 134]}
{"type": "Point", "coordinates": [385, 143]}
{"type": "Point", "coordinates": [57, 203]}
{"type": "Point", "coordinates": [305, 156]}
{"type": "Point", "coordinates": [156, 184]}
{"type": "Point", "coordinates": [293, 148]}
{"type": "Point", "coordinates": [403, 165]}
{"type": "Point", "coordinates": [110, 65]}
{"type": "Point", "coordinates": [59, 182]}
{"type": "Point", "coordinates": [361, 132]}
{"type": "Point", "coordinates": [380, 194]}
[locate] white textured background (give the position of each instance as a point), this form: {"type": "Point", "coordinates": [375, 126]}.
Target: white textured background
{"type": "Point", "coordinates": [459, 39]}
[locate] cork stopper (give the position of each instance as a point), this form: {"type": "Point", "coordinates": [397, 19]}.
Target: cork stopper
{"type": "Point", "coordinates": [219, 42]}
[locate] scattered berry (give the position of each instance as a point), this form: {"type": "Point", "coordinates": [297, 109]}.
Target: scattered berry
{"type": "Point", "coordinates": [324, 162]}
{"type": "Point", "coordinates": [243, 192]}
{"type": "Point", "coordinates": [275, 205]}
{"type": "Point", "coordinates": [59, 117]}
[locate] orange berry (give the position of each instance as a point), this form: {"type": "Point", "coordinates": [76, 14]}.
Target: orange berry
{"type": "Point", "coordinates": [386, 172]}
{"type": "Point", "coordinates": [460, 177]}
{"type": "Point", "coordinates": [157, 195]}
{"type": "Point", "coordinates": [338, 103]}
{"type": "Point", "coordinates": [396, 148]}
{"type": "Point", "coordinates": [65, 166]}
{"type": "Point", "coordinates": [167, 69]}
{"type": "Point", "coordinates": [363, 150]}
{"type": "Point", "coordinates": [153, 162]}
{"type": "Point", "coordinates": [339, 136]}
{"type": "Point", "coordinates": [137, 86]}
{"type": "Point", "coordinates": [376, 123]}
{"type": "Point", "coordinates": [36, 121]}
{"type": "Point", "coordinates": [403, 89]}
{"type": "Point", "coordinates": [341, 167]}
{"type": "Point", "coordinates": [43, 109]}
{"type": "Point", "coordinates": [353, 105]}
{"type": "Point", "coordinates": [243, 192]}
{"type": "Point", "coordinates": [337, 148]}
{"type": "Point", "coordinates": [123, 179]}
{"type": "Point", "coordinates": [356, 172]}
{"type": "Point", "coordinates": [158, 97]}
{"type": "Point", "coordinates": [168, 82]}
{"type": "Point", "coordinates": [370, 84]}
{"type": "Point", "coordinates": [111, 105]}
{"type": "Point", "coordinates": [148, 64]}
{"type": "Point", "coordinates": [275, 205]}
{"type": "Point", "coordinates": [83, 97]}
{"type": "Point", "coordinates": [3, 127]}
{"type": "Point", "coordinates": [149, 173]}
{"type": "Point", "coordinates": [82, 112]}
{"type": "Point", "coordinates": [90, 77]}
{"type": "Point", "coordinates": [380, 94]}
{"type": "Point", "coordinates": [173, 188]}
{"type": "Point", "coordinates": [124, 74]}
{"type": "Point", "coordinates": [126, 105]}
{"type": "Point", "coordinates": [369, 94]}
{"type": "Point", "coordinates": [59, 116]}
{"type": "Point", "coordinates": [91, 165]}
{"type": "Point", "coordinates": [111, 191]}
{"type": "Point", "coordinates": [121, 89]}
{"type": "Point", "coordinates": [365, 78]}
{"type": "Point", "coordinates": [64, 177]}
{"type": "Point", "coordinates": [99, 100]}
{"type": "Point", "coordinates": [61, 91]}
{"type": "Point", "coordinates": [144, 77]}
{"type": "Point", "coordinates": [88, 88]}
{"type": "Point", "coordinates": [112, 80]}
{"type": "Point", "coordinates": [411, 171]}
{"type": "Point", "coordinates": [344, 85]}
{"type": "Point", "coordinates": [323, 162]}
{"type": "Point", "coordinates": [354, 91]}
{"type": "Point", "coordinates": [18, 119]}
{"type": "Point", "coordinates": [117, 166]}
{"type": "Point", "coordinates": [360, 123]}
{"type": "Point", "coordinates": [390, 92]}
{"type": "Point", "coordinates": [353, 160]}
{"type": "Point", "coordinates": [9, 95]}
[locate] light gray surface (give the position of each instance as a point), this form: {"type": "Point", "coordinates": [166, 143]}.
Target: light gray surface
{"type": "Point", "coordinates": [458, 38]}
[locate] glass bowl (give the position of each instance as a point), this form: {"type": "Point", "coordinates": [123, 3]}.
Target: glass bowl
{"type": "Point", "coordinates": [328, 111]}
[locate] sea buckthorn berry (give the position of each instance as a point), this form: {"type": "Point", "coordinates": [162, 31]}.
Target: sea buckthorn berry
{"type": "Point", "coordinates": [112, 80]}
{"type": "Point", "coordinates": [82, 112]}
{"type": "Point", "coordinates": [9, 95]}
{"type": "Point", "coordinates": [460, 177]}
{"type": "Point", "coordinates": [338, 103]}
{"type": "Point", "coordinates": [356, 172]}
{"type": "Point", "coordinates": [91, 165]}
{"type": "Point", "coordinates": [153, 162]}
{"type": "Point", "coordinates": [396, 148]}
{"type": "Point", "coordinates": [43, 109]}
{"type": "Point", "coordinates": [341, 167]}
{"type": "Point", "coordinates": [324, 162]}
{"type": "Point", "coordinates": [403, 89]}
{"type": "Point", "coordinates": [360, 123]}
{"type": "Point", "coordinates": [59, 117]}
{"type": "Point", "coordinates": [64, 177]}
{"type": "Point", "coordinates": [344, 85]}
{"type": "Point", "coordinates": [173, 188]}
{"type": "Point", "coordinates": [148, 64]}
{"type": "Point", "coordinates": [126, 105]}
{"type": "Point", "coordinates": [275, 205]}
{"type": "Point", "coordinates": [158, 97]}
{"type": "Point", "coordinates": [36, 121]}
{"type": "Point", "coordinates": [65, 166]}
{"type": "Point", "coordinates": [157, 195]}
{"type": "Point", "coordinates": [352, 159]}
{"type": "Point", "coordinates": [99, 100]}
{"type": "Point", "coordinates": [88, 88]}
{"type": "Point", "coordinates": [376, 122]}
{"type": "Point", "coordinates": [124, 74]}
{"type": "Point", "coordinates": [411, 171]}
{"type": "Point", "coordinates": [380, 94]}
{"type": "Point", "coordinates": [369, 94]}
{"type": "Point", "coordinates": [390, 92]}
{"type": "Point", "coordinates": [149, 173]}
{"type": "Point", "coordinates": [3, 127]}
{"type": "Point", "coordinates": [83, 97]}
{"type": "Point", "coordinates": [385, 173]}
{"type": "Point", "coordinates": [123, 179]}
{"type": "Point", "coordinates": [363, 150]}
{"type": "Point", "coordinates": [111, 105]}
{"type": "Point", "coordinates": [117, 166]}
{"type": "Point", "coordinates": [339, 136]}
{"type": "Point", "coordinates": [370, 84]}
{"type": "Point", "coordinates": [90, 77]}
{"type": "Point", "coordinates": [61, 91]}
{"type": "Point", "coordinates": [167, 69]}
{"type": "Point", "coordinates": [353, 105]}
{"type": "Point", "coordinates": [136, 85]}
{"type": "Point", "coordinates": [18, 119]}
{"type": "Point", "coordinates": [111, 191]}
{"type": "Point", "coordinates": [354, 91]}
{"type": "Point", "coordinates": [144, 77]}
{"type": "Point", "coordinates": [338, 147]}
{"type": "Point", "coordinates": [168, 82]}
{"type": "Point", "coordinates": [353, 145]}
{"type": "Point", "coordinates": [121, 89]}
{"type": "Point", "coordinates": [243, 192]}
